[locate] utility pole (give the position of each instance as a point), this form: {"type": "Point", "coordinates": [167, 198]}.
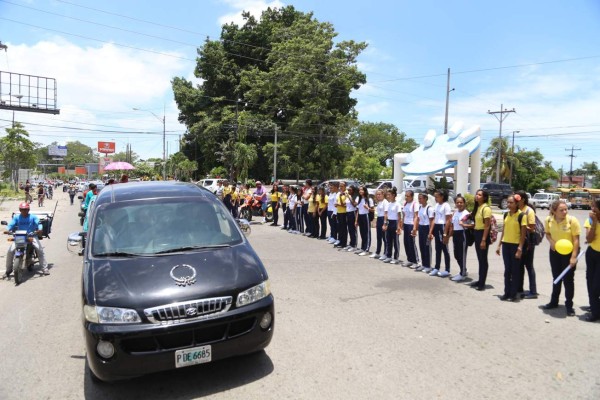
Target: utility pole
{"type": "Point", "coordinates": [512, 153]}
{"type": "Point", "coordinates": [500, 118]}
{"type": "Point", "coordinates": [572, 149]}
{"type": "Point", "coordinates": [448, 90]}
{"type": "Point", "coordinates": [275, 157]}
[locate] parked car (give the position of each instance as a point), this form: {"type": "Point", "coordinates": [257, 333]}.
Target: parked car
{"type": "Point", "coordinates": [349, 182]}
{"type": "Point", "coordinates": [499, 193]}
{"type": "Point", "coordinates": [543, 200]}
{"type": "Point", "coordinates": [169, 281]}
{"type": "Point", "coordinates": [418, 184]}
{"type": "Point", "coordinates": [209, 183]}
{"type": "Point", "coordinates": [374, 187]}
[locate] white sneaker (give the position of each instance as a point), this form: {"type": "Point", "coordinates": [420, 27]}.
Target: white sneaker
{"type": "Point", "coordinates": [426, 270]}
{"type": "Point", "coordinates": [458, 278]}
{"type": "Point", "coordinates": [419, 268]}
{"type": "Point", "coordinates": [434, 272]}
{"type": "Point", "coordinates": [383, 258]}
{"type": "Point", "coordinates": [374, 255]}
{"type": "Point", "coordinates": [336, 242]}
{"type": "Point", "coordinates": [394, 262]}
{"type": "Point", "coordinates": [443, 274]}
{"type": "Point", "coordinates": [387, 260]}
{"type": "Point", "coordinates": [357, 251]}
{"type": "Point", "coordinates": [363, 253]}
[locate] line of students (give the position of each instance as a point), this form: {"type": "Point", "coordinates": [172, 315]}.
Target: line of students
{"type": "Point", "coordinates": [349, 211]}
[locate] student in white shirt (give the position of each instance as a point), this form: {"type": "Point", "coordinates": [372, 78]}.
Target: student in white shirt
{"type": "Point", "coordinates": [457, 232]}
{"type": "Point", "coordinates": [293, 207]}
{"type": "Point", "coordinates": [382, 206]}
{"type": "Point", "coordinates": [332, 211]}
{"type": "Point", "coordinates": [425, 222]}
{"type": "Point", "coordinates": [365, 205]}
{"type": "Point", "coordinates": [410, 212]}
{"type": "Point", "coordinates": [391, 228]}
{"type": "Point", "coordinates": [441, 228]}
{"type": "Point", "coordinates": [351, 203]}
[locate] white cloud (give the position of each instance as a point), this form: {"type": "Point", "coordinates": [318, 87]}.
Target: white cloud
{"type": "Point", "coordinates": [254, 7]}
{"type": "Point", "coordinates": [101, 85]}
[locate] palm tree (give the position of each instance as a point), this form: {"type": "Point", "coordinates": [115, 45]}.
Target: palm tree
{"type": "Point", "coordinates": [507, 158]}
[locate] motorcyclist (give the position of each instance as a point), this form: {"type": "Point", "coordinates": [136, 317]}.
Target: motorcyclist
{"type": "Point", "coordinates": [30, 223]}
{"type": "Point", "coordinates": [88, 197]}
{"type": "Point", "coordinates": [260, 194]}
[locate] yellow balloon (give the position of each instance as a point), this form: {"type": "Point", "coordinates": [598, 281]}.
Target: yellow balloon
{"type": "Point", "coordinates": [563, 246]}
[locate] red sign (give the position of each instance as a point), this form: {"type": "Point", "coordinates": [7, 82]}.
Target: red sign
{"type": "Point", "coordinates": [106, 147]}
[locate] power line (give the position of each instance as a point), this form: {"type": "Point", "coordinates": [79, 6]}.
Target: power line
{"type": "Point", "coordinates": [573, 149]}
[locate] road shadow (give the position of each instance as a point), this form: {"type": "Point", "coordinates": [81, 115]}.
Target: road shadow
{"type": "Point", "coordinates": [558, 312]}
{"type": "Point", "coordinates": [186, 383]}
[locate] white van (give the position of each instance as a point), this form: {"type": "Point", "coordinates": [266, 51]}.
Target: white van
{"type": "Point", "coordinates": [418, 183]}
{"type": "Point", "coordinates": [209, 183]}
{"type": "Point", "coordinates": [543, 200]}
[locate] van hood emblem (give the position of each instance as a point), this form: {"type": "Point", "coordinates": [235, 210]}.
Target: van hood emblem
{"type": "Point", "coordinates": [183, 275]}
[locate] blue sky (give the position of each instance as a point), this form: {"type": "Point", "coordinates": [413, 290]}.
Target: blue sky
{"type": "Point", "coordinates": [540, 57]}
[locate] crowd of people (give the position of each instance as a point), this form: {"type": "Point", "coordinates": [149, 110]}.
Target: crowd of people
{"type": "Point", "coordinates": [342, 216]}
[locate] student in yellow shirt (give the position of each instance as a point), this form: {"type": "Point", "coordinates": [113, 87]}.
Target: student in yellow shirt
{"type": "Point", "coordinates": [285, 193]}
{"type": "Point", "coordinates": [275, 197]}
{"type": "Point", "coordinates": [592, 260]}
{"type": "Point", "coordinates": [560, 225]}
{"type": "Point", "coordinates": [482, 214]}
{"type": "Point", "coordinates": [512, 242]}
{"type": "Point", "coordinates": [322, 201]}
{"type": "Point", "coordinates": [312, 214]}
{"type": "Point", "coordinates": [227, 190]}
{"type": "Point", "coordinates": [342, 225]}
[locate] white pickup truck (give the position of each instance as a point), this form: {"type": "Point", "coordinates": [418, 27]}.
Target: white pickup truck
{"type": "Point", "coordinates": [543, 200]}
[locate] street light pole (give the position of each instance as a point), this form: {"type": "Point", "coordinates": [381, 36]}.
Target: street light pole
{"type": "Point", "coordinates": [163, 120]}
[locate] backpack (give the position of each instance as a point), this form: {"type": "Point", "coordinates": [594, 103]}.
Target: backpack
{"type": "Point", "coordinates": [493, 228]}
{"type": "Point", "coordinates": [537, 236]}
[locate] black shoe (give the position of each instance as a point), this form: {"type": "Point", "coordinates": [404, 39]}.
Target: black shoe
{"type": "Point", "coordinates": [338, 246]}
{"type": "Point", "coordinates": [550, 306]}
{"type": "Point", "coordinates": [480, 288]}
{"type": "Point", "coordinates": [591, 318]}
{"type": "Point", "coordinates": [474, 284]}
{"type": "Point", "coordinates": [273, 224]}
{"type": "Point", "coordinates": [570, 312]}
{"type": "Point", "coordinates": [505, 298]}
{"type": "Point", "coordinates": [530, 296]}
{"type": "Point", "coordinates": [586, 308]}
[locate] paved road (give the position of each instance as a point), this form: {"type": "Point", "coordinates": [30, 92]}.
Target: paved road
{"type": "Point", "coordinates": [347, 327]}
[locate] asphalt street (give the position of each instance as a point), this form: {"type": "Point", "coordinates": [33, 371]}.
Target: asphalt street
{"type": "Point", "coordinates": [346, 327]}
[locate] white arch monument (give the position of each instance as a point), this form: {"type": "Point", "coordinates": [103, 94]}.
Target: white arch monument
{"type": "Point", "coordinates": [440, 152]}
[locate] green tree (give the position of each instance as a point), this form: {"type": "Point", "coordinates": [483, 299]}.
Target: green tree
{"type": "Point", "coordinates": [381, 140]}
{"type": "Point", "coordinates": [16, 151]}
{"type": "Point", "coordinates": [282, 71]}
{"type": "Point", "coordinates": [79, 154]}
{"type": "Point", "coordinates": [363, 167]}
{"type": "Point", "coordinates": [533, 172]}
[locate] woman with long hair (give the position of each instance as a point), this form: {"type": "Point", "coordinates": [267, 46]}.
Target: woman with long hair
{"type": "Point", "coordinates": [441, 230]}
{"type": "Point", "coordinates": [511, 243]}
{"type": "Point", "coordinates": [292, 207]}
{"type": "Point", "coordinates": [528, 248]}
{"type": "Point", "coordinates": [342, 225]}
{"type": "Point", "coordinates": [592, 260]}
{"type": "Point", "coordinates": [410, 214]}
{"type": "Point", "coordinates": [285, 194]}
{"type": "Point", "coordinates": [382, 206]}
{"type": "Point", "coordinates": [391, 228]}
{"type": "Point", "coordinates": [313, 207]}
{"type": "Point", "coordinates": [425, 220]}
{"type": "Point", "coordinates": [322, 204]}
{"type": "Point", "coordinates": [459, 239]}
{"type": "Point", "coordinates": [275, 198]}
{"type": "Point", "coordinates": [482, 214]}
{"type": "Point", "coordinates": [365, 205]}
{"type": "Point", "coordinates": [560, 225]}
{"type": "Point", "coordinates": [351, 203]}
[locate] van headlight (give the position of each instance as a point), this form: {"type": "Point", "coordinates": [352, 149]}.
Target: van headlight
{"type": "Point", "coordinates": [110, 315]}
{"type": "Point", "coordinates": [253, 294]}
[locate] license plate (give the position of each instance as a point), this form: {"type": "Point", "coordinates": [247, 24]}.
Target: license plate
{"type": "Point", "coordinates": [195, 355]}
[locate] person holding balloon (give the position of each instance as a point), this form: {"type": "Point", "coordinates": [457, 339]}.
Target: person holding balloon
{"type": "Point", "coordinates": [562, 231]}
{"type": "Point", "coordinates": [592, 260]}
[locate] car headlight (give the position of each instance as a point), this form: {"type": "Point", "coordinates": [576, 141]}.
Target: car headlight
{"type": "Point", "coordinates": [253, 294]}
{"type": "Point", "coordinates": [111, 315]}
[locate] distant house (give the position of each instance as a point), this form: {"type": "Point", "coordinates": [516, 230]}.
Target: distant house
{"type": "Point", "coordinates": [575, 180]}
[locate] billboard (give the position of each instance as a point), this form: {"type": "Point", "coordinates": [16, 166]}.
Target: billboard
{"type": "Point", "coordinates": [57, 151]}
{"type": "Point", "coordinates": [106, 147]}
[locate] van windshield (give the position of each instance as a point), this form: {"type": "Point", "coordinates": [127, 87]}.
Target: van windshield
{"type": "Point", "coordinates": [146, 227]}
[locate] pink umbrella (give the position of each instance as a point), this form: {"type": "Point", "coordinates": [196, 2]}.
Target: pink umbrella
{"type": "Point", "coordinates": [118, 165]}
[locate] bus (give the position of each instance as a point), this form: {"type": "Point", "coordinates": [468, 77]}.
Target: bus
{"type": "Point", "coordinates": [580, 197]}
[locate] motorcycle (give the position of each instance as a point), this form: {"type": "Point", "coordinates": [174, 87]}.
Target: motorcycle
{"type": "Point", "coordinates": [253, 208]}
{"type": "Point", "coordinates": [25, 253]}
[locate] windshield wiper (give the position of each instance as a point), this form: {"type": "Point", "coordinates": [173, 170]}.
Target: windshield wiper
{"type": "Point", "coordinates": [186, 248]}
{"type": "Point", "coordinates": [117, 254]}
